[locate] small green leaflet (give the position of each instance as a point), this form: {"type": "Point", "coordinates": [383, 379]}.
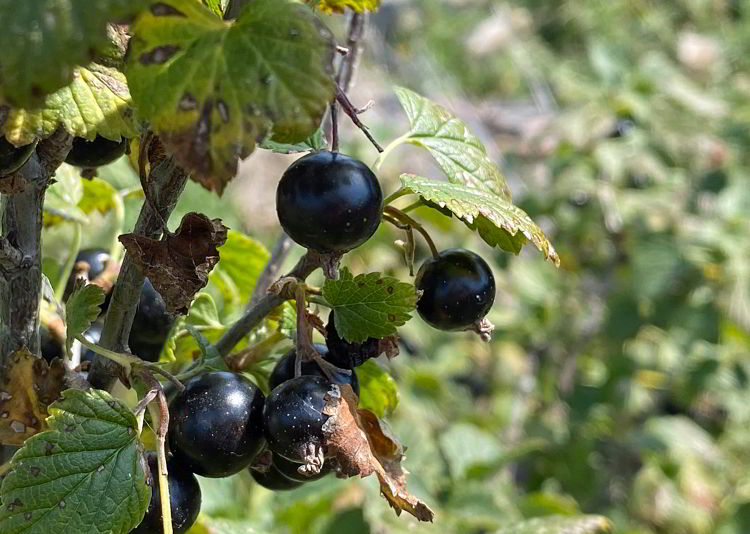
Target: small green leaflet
{"type": "Point", "coordinates": [242, 258]}
{"type": "Point", "coordinates": [369, 305]}
{"type": "Point", "coordinates": [99, 196]}
{"type": "Point", "coordinates": [97, 101]}
{"type": "Point", "coordinates": [216, 6]}
{"type": "Point", "coordinates": [212, 89]}
{"type": "Point", "coordinates": [591, 524]}
{"type": "Point", "coordinates": [288, 322]}
{"type": "Point", "coordinates": [378, 390]}
{"type": "Point", "coordinates": [338, 6]}
{"type": "Point", "coordinates": [83, 475]}
{"type": "Point", "coordinates": [316, 141]}
{"type": "Point", "coordinates": [460, 154]}
{"type": "Point", "coordinates": [81, 310]}
{"type": "Point", "coordinates": [43, 41]}
{"type": "Point", "coordinates": [497, 220]}
{"type": "Point", "coordinates": [62, 197]}
{"type": "Point", "coordinates": [211, 356]}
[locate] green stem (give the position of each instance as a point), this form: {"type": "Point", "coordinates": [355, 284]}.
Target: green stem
{"type": "Point", "coordinates": [403, 218]}
{"type": "Point", "coordinates": [126, 360]}
{"type": "Point", "coordinates": [413, 206]}
{"type": "Point", "coordinates": [398, 194]}
{"type": "Point", "coordinates": [75, 246]}
{"type": "Point", "coordinates": [315, 299]}
{"type": "Point", "coordinates": [166, 508]}
{"type": "Point", "coordinates": [393, 144]}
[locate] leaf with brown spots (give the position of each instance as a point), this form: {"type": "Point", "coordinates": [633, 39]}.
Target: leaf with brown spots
{"type": "Point", "coordinates": [213, 89]}
{"type": "Point", "coordinates": [369, 305]}
{"type": "Point", "coordinates": [26, 389]}
{"type": "Point", "coordinates": [178, 266]}
{"type": "Point", "coordinates": [363, 445]}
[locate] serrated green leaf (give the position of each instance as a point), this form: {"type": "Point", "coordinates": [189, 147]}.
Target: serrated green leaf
{"type": "Point", "coordinates": [242, 258]}
{"type": "Point", "coordinates": [44, 40]}
{"type": "Point", "coordinates": [339, 6]}
{"type": "Point", "coordinates": [316, 141]}
{"type": "Point", "coordinates": [369, 305]}
{"type": "Point", "coordinates": [288, 323]}
{"type": "Point", "coordinates": [62, 197]}
{"type": "Point", "coordinates": [591, 524]}
{"type": "Point", "coordinates": [217, 7]}
{"type": "Point", "coordinates": [99, 196]}
{"type": "Point", "coordinates": [497, 220]}
{"type": "Point", "coordinates": [83, 475]}
{"type": "Point", "coordinates": [97, 101]}
{"type": "Point", "coordinates": [378, 390]}
{"type": "Point", "coordinates": [460, 154]}
{"type": "Point", "coordinates": [203, 312]}
{"type": "Point", "coordinates": [82, 309]}
{"type": "Point", "coordinates": [212, 89]}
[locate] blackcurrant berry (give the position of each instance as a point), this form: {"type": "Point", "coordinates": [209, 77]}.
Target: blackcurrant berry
{"type": "Point", "coordinates": [293, 417]}
{"type": "Point", "coordinates": [273, 480]}
{"type": "Point", "coordinates": [284, 370]}
{"type": "Point", "coordinates": [93, 334]}
{"type": "Point", "coordinates": [184, 498]}
{"type": "Point", "coordinates": [97, 259]}
{"type": "Point", "coordinates": [458, 289]}
{"type": "Point", "coordinates": [216, 424]}
{"type": "Point", "coordinates": [291, 469]}
{"type": "Point", "coordinates": [151, 324]}
{"type": "Point", "coordinates": [329, 202]}
{"type": "Point", "coordinates": [12, 158]}
{"type": "Point", "coordinates": [51, 347]}
{"type": "Point", "coordinates": [96, 153]}
{"type": "Point", "coordinates": [345, 354]}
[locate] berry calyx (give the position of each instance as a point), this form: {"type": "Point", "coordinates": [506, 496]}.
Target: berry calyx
{"type": "Point", "coordinates": [272, 479]}
{"type": "Point", "coordinates": [12, 158]}
{"type": "Point", "coordinates": [458, 289]}
{"type": "Point", "coordinates": [296, 472]}
{"type": "Point", "coordinates": [184, 498]}
{"type": "Point", "coordinates": [293, 419]}
{"type": "Point", "coordinates": [216, 424]}
{"type": "Point", "coordinates": [284, 370]}
{"type": "Point", "coordinates": [100, 151]}
{"type": "Point", "coordinates": [329, 202]}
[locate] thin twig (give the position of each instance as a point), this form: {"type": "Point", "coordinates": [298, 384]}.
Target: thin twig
{"type": "Point", "coordinates": [271, 271]}
{"type": "Point", "coordinates": [405, 220]}
{"type": "Point", "coordinates": [161, 414]}
{"type": "Point", "coordinates": [351, 111]}
{"type": "Point", "coordinates": [334, 126]}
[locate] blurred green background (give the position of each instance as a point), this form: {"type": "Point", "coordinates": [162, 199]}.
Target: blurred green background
{"type": "Point", "coordinates": [618, 384]}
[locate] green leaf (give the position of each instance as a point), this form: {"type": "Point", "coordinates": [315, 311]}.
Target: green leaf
{"type": "Point", "coordinates": [44, 40]}
{"type": "Point", "coordinates": [484, 448]}
{"type": "Point", "coordinates": [591, 524]}
{"type": "Point", "coordinates": [211, 356]}
{"type": "Point", "coordinates": [288, 323]}
{"type": "Point", "coordinates": [338, 6]}
{"type": "Point", "coordinates": [97, 101]}
{"type": "Point", "coordinates": [460, 154]}
{"type": "Point", "coordinates": [83, 475]}
{"type": "Point", "coordinates": [369, 305]}
{"type": "Point", "coordinates": [378, 390]}
{"type": "Point", "coordinates": [99, 196]}
{"type": "Point", "coordinates": [82, 309]}
{"type": "Point", "coordinates": [203, 312]}
{"type": "Point", "coordinates": [217, 7]}
{"type": "Point", "coordinates": [62, 198]}
{"type": "Point", "coordinates": [497, 220]}
{"type": "Point", "coordinates": [242, 258]}
{"type": "Point", "coordinates": [213, 89]}
{"type": "Point", "coordinates": [316, 141]}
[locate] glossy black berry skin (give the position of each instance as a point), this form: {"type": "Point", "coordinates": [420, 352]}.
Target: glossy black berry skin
{"type": "Point", "coordinates": [329, 202]}
{"type": "Point", "coordinates": [93, 334]}
{"type": "Point", "coordinates": [345, 354]}
{"type": "Point", "coordinates": [293, 416]}
{"type": "Point", "coordinates": [184, 498]}
{"type": "Point", "coordinates": [100, 151]}
{"type": "Point", "coordinates": [284, 370]}
{"type": "Point", "coordinates": [51, 347]}
{"type": "Point", "coordinates": [291, 469]}
{"type": "Point", "coordinates": [12, 158]}
{"type": "Point", "coordinates": [216, 424]}
{"type": "Point", "coordinates": [151, 324]}
{"type": "Point", "coordinates": [97, 259]}
{"type": "Point", "coordinates": [458, 289]}
{"type": "Point", "coordinates": [273, 479]}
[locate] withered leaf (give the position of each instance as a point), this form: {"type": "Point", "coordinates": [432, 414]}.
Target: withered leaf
{"type": "Point", "coordinates": [178, 266]}
{"type": "Point", "coordinates": [363, 445]}
{"type": "Point", "coordinates": [28, 386]}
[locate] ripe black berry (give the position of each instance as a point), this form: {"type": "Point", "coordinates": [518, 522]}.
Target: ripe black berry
{"type": "Point", "coordinates": [216, 424]}
{"type": "Point", "coordinates": [96, 153]}
{"type": "Point", "coordinates": [329, 202]}
{"type": "Point", "coordinates": [284, 370]}
{"type": "Point", "coordinates": [97, 259]}
{"type": "Point", "coordinates": [12, 158]}
{"type": "Point", "coordinates": [345, 354]}
{"type": "Point", "coordinates": [293, 417]}
{"type": "Point", "coordinates": [273, 480]}
{"type": "Point", "coordinates": [184, 498]}
{"type": "Point", "coordinates": [51, 347]}
{"type": "Point", "coordinates": [458, 289]}
{"type": "Point", "coordinates": [151, 324]}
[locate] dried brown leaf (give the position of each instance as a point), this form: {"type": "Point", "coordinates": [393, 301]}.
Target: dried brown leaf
{"type": "Point", "coordinates": [26, 389]}
{"type": "Point", "coordinates": [363, 445]}
{"type": "Point", "coordinates": [178, 266]}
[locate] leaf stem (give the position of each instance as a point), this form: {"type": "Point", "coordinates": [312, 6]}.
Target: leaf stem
{"type": "Point", "coordinates": [317, 299]}
{"type": "Point", "coordinates": [387, 150]}
{"type": "Point", "coordinates": [398, 194]}
{"type": "Point", "coordinates": [161, 414]}
{"type": "Point", "coordinates": [413, 206]}
{"type": "Point", "coordinates": [75, 246]}
{"type": "Point", "coordinates": [406, 220]}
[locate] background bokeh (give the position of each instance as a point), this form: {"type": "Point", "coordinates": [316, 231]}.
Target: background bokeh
{"type": "Point", "coordinates": [618, 384]}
